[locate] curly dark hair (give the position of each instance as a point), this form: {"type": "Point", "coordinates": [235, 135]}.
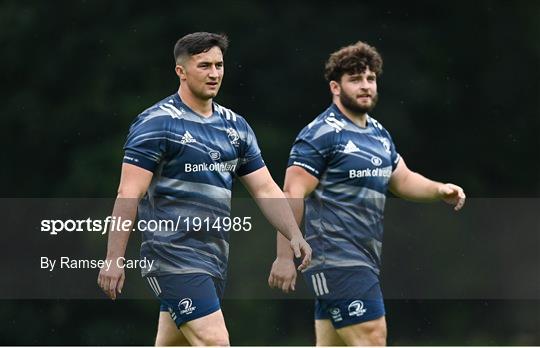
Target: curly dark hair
{"type": "Point", "coordinates": [353, 59]}
{"type": "Point", "coordinates": [199, 42]}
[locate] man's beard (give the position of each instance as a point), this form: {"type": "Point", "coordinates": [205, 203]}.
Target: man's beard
{"type": "Point", "coordinates": [351, 103]}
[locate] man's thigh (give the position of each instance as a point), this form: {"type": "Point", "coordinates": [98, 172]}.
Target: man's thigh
{"type": "Point", "coordinates": [369, 333]}
{"type": "Point", "coordinates": [209, 330]}
{"type": "Point", "coordinates": [349, 308]}
{"type": "Point", "coordinates": [187, 300]}
{"type": "Point", "coordinates": [187, 296]}
{"type": "Point", "coordinates": [168, 333]}
{"type": "Point", "coordinates": [326, 335]}
{"type": "Point", "coordinates": [346, 296]}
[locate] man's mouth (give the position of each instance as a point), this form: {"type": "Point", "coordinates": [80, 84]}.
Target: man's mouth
{"type": "Point", "coordinates": [364, 96]}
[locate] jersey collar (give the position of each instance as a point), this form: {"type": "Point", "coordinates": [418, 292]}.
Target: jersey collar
{"type": "Point", "coordinates": [334, 108]}
{"type": "Point", "coordinates": [178, 102]}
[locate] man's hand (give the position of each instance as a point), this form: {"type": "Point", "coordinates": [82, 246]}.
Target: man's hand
{"type": "Point", "coordinates": [453, 195]}
{"type": "Point", "coordinates": [301, 248]}
{"type": "Point", "coordinates": [283, 275]}
{"type": "Point", "coordinates": [111, 280]}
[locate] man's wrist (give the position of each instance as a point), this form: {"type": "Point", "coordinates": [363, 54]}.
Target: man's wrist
{"type": "Point", "coordinates": [114, 256]}
{"type": "Point", "coordinates": [285, 257]}
{"type": "Point", "coordinates": [296, 233]}
{"type": "Point", "coordinates": [438, 190]}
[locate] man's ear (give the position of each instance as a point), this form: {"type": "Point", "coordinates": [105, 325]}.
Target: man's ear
{"type": "Point", "coordinates": [335, 88]}
{"type": "Point", "coordinates": [180, 71]}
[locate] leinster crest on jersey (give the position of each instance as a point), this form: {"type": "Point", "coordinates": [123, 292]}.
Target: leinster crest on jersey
{"type": "Point", "coordinates": [386, 144]}
{"type": "Point", "coordinates": [233, 136]}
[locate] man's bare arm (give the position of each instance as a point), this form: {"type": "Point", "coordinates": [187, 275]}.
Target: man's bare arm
{"type": "Point", "coordinates": [298, 185]}
{"type": "Point", "coordinates": [134, 183]}
{"type": "Point", "coordinates": [275, 208]}
{"type": "Point", "coordinates": [409, 185]}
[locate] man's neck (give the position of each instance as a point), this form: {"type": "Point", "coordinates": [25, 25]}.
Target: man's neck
{"type": "Point", "coordinates": [359, 119]}
{"type": "Point", "coordinates": [201, 106]}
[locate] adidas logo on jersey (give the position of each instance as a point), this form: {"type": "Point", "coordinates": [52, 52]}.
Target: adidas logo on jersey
{"type": "Point", "coordinates": [351, 147]}
{"type": "Point", "coordinates": [187, 138]}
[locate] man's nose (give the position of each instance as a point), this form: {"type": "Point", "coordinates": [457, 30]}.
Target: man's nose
{"type": "Point", "coordinates": [364, 84]}
{"type": "Point", "coordinates": [214, 72]}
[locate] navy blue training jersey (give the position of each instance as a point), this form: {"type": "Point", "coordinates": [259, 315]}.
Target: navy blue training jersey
{"type": "Point", "coordinates": [194, 160]}
{"type": "Point", "coordinates": [344, 214]}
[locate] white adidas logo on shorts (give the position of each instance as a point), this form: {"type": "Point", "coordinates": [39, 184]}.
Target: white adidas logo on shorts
{"type": "Point", "coordinates": [319, 284]}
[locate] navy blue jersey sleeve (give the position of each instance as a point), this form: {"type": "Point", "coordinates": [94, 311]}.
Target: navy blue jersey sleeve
{"type": "Point", "coordinates": [311, 152]}
{"type": "Point", "coordinates": [147, 142]}
{"type": "Point", "coordinates": [305, 155]}
{"type": "Point", "coordinates": [251, 158]}
{"type": "Point", "coordinates": [394, 155]}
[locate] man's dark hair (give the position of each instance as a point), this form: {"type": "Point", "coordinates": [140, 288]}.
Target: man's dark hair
{"type": "Point", "coordinates": [199, 42]}
{"type": "Point", "coordinates": [353, 59]}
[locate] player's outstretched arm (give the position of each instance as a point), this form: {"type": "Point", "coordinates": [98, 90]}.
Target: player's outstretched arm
{"type": "Point", "coordinates": [134, 183]}
{"type": "Point", "coordinates": [298, 185]}
{"type": "Point", "coordinates": [278, 212]}
{"type": "Point", "coordinates": [409, 185]}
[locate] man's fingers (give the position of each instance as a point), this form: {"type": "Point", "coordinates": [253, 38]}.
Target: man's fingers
{"type": "Point", "coordinates": [292, 283]}
{"type": "Point", "coordinates": [305, 262]}
{"type": "Point", "coordinates": [120, 285]}
{"type": "Point", "coordinates": [296, 249]}
{"type": "Point", "coordinates": [307, 257]}
{"type": "Point", "coordinates": [111, 292]}
{"type": "Point", "coordinates": [103, 283]}
{"type": "Point", "coordinates": [272, 281]}
{"type": "Point", "coordinates": [105, 286]}
{"type": "Point", "coordinates": [307, 251]}
{"type": "Point", "coordinates": [460, 203]}
{"type": "Point", "coordinates": [112, 288]}
{"type": "Point", "coordinates": [453, 194]}
{"type": "Point", "coordinates": [460, 197]}
{"type": "Point", "coordinates": [283, 275]}
{"type": "Point", "coordinates": [285, 286]}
